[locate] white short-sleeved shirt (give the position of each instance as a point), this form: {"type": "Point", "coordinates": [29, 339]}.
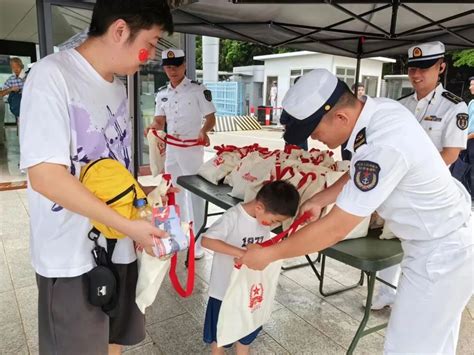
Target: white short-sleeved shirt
{"type": "Point", "coordinates": [184, 106]}
{"type": "Point", "coordinates": [236, 227]}
{"type": "Point", "coordinates": [442, 115]}
{"type": "Point", "coordinates": [396, 170]}
{"type": "Point", "coordinates": [70, 116]}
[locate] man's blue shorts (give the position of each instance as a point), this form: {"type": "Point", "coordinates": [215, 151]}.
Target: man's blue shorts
{"type": "Point", "coordinates": [210, 325]}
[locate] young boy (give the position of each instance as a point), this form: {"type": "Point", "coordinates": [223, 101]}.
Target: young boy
{"type": "Point", "coordinates": [75, 110]}
{"type": "Point", "coordinates": [242, 224]}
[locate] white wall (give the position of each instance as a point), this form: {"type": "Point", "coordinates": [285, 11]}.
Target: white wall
{"type": "Point", "coordinates": [281, 68]}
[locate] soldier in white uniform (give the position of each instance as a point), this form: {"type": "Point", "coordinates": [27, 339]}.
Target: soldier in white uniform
{"type": "Point", "coordinates": [182, 106]}
{"type": "Point", "coordinates": [396, 171]}
{"type": "Point", "coordinates": [444, 118]}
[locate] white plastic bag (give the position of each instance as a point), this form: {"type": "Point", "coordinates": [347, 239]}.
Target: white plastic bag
{"type": "Point", "coordinates": [362, 229]}
{"type": "Point", "coordinates": [253, 169]}
{"type": "Point", "coordinates": [247, 303]}
{"type": "Point", "coordinates": [157, 150]}
{"type": "Point", "coordinates": [218, 167]}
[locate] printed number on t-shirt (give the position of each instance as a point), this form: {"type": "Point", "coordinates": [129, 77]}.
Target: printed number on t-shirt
{"type": "Point", "coordinates": [246, 241]}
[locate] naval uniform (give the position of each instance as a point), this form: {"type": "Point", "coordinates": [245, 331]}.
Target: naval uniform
{"type": "Point", "coordinates": [185, 107]}
{"type": "Point", "coordinates": [396, 171]}
{"type": "Point", "coordinates": [444, 118]}
{"type": "Point", "coordinates": [442, 115]}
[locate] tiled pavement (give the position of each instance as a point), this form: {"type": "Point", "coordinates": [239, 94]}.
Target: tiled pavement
{"type": "Point", "coordinates": [303, 322]}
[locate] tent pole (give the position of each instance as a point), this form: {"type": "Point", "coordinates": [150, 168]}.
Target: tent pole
{"type": "Point", "coordinates": [345, 154]}
{"type": "Point", "coordinates": [359, 55]}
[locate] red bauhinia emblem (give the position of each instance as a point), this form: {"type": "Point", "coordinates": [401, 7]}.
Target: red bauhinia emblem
{"type": "Point", "coordinates": [256, 296]}
{"type": "Point", "coordinates": [249, 177]}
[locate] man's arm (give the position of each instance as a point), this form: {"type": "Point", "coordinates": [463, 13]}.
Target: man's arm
{"type": "Point", "coordinates": [6, 91]}
{"type": "Point", "coordinates": [69, 193]}
{"type": "Point", "coordinates": [450, 155]}
{"type": "Point", "coordinates": [312, 238]}
{"type": "Point", "coordinates": [209, 123]}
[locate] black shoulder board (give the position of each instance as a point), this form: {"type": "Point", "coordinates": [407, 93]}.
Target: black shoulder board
{"type": "Point", "coordinates": [163, 87]}
{"type": "Point", "coordinates": [360, 139]}
{"type": "Point", "coordinates": [403, 97]}
{"type": "Point", "coordinates": [195, 82]}
{"type": "Point", "coordinates": [451, 97]}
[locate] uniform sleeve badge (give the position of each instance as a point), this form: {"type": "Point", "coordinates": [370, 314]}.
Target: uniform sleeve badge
{"type": "Point", "coordinates": [462, 121]}
{"type": "Point", "coordinates": [360, 139]}
{"type": "Point", "coordinates": [208, 95]}
{"type": "Point", "coordinates": [366, 175]}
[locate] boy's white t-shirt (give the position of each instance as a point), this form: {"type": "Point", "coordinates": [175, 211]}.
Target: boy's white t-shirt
{"type": "Point", "coordinates": [70, 116]}
{"type": "Point", "coordinates": [236, 227]}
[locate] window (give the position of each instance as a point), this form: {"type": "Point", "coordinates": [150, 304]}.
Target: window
{"type": "Point", "coordinates": [294, 73]}
{"type": "Point", "coordinates": [370, 82]}
{"type": "Point", "coordinates": [347, 75]}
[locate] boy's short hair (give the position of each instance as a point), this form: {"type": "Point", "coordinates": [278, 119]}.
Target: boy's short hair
{"type": "Point", "coordinates": [138, 14]}
{"type": "Point", "coordinates": [279, 197]}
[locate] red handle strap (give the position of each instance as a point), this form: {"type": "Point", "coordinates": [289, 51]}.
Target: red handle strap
{"type": "Point", "coordinates": [296, 223]}
{"type": "Point", "coordinates": [190, 278]}
{"type": "Point", "coordinates": [177, 142]}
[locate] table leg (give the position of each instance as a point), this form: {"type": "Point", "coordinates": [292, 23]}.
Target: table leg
{"type": "Point", "coordinates": [360, 331]}
{"type": "Point", "coordinates": [321, 281]}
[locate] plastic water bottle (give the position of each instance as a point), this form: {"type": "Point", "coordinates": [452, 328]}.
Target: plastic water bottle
{"type": "Point", "coordinates": [144, 210]}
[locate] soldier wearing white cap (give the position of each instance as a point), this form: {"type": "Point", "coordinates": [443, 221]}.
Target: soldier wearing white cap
{"type": "Point", "coordinates": [182, 105]}
{"type": "Point", "coordinates": [442, 115]}
{"type": "Point", "coordinates": [396, 171]}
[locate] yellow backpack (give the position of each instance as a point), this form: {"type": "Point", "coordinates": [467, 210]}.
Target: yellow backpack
{"type": "Point", "coordinates": [112, 183]}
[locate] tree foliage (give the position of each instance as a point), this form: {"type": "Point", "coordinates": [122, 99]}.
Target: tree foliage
{"type": "Point", "coordinates": [464, 57]}
{"type": "Point", "coordinates": [235, 53]}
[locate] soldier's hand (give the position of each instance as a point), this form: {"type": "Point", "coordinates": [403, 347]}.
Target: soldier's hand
{"type": "Point", "coordinates": [204, 138]}
{"type": "Point", "coordinates": [153, 125]}
{"type": "Point", "coordinates": [313, 207]}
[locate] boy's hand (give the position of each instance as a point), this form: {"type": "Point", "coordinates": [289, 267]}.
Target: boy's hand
{"type": "Point", "coordinates": [256, 257]}
{"type": "Point", "coordinates": [239, 253]}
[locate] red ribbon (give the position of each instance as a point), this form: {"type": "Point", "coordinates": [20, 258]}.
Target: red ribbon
{"type": "Point", "coordinates": [177, 142]}
{"type": "Point", "coordinates": [296, 223]}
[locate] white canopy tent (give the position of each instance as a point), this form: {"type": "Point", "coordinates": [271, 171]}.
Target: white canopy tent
{"type": "Point", "coordinates": [348, 28]}
{"type": "Point", "coordinates": [354, 28]}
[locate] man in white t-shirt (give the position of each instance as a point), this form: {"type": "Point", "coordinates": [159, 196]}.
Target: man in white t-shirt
{"type": "Point", "coordinates": [74, 111]}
